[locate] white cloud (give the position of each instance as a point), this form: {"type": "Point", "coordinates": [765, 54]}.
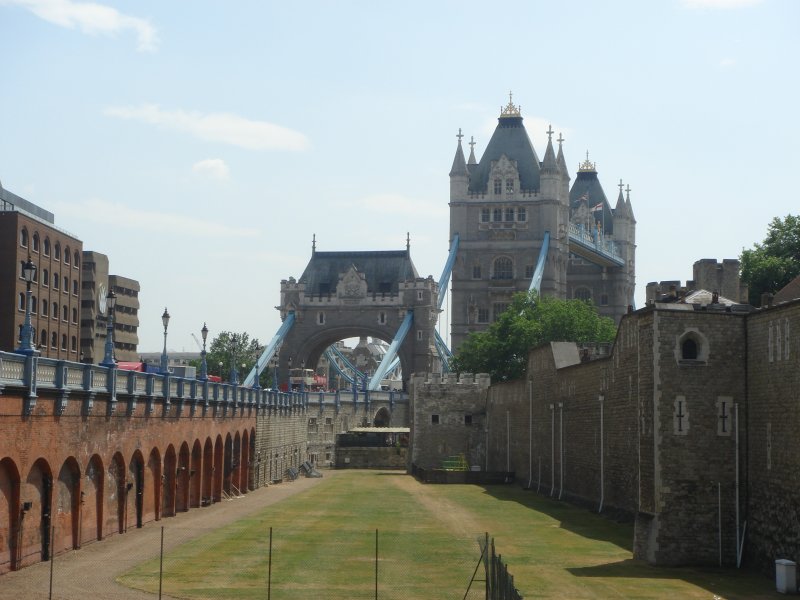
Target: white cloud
{"type": "Point", "coordinates": [719, 4]}
{"type": "Point", "coordinates": [118, 215]}
{"type": "Point", "coordinates": [395, 204]}
{"type": "Point", "coordinates": [216, 127]}
{"type": "Point", "coordinates": [212, 167]}
{"type": "Point", "coordinates": [91, 18]}
{"type": "Point", "coordinates": [726, 63]}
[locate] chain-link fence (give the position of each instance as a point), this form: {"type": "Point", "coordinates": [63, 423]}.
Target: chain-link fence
{"type": "Point", "coordinates": [275, 563]}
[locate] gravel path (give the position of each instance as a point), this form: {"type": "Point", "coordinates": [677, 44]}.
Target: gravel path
{"type": "Point", "coordinates": [91, 571]}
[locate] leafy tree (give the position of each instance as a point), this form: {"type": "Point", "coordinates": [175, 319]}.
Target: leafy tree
{"type": "Point", "coordinates": [230, 348]}
{"type": "Point", "coordinates": [530, 321]}
{"type": "Point", "coordinates": [769, 266]}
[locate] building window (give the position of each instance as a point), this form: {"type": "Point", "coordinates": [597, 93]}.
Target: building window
{"type": "Point", "coordinates": [483, 315]}
{"type": "Point", "coordinates": [55, 281]}
{"type": "Point", "coordinates": [419, 334]}
{"type": "Point", "coordinates": [320, 318]}
{"type": "Point", "coordinates": [66, 255]}
{"type": "Point", "coordinates": [64, 312]}
{"type": "Point", "coordinates": [74, 344]}
{"type": "Point", "coordinates": [46, 278]}
{"type": "Point", "coordinates": [57, 254]}
{"type": "Point", "coordinates": [509, 214]}
{"type": "Point", "coordinates": [66, 284]}
{"type": "Point", "coordinates": [521, 215]}
{"type": "Point", "coordinates": [583, 293]}
{"type": "Point", "coordinates": [692, 347]}
{"type": "Point", "coordinates": [63, 341]}
{"type": "Point", "coordinates": [33, 305]}
{"type": "Point", "coordinates": [498, 186]}
{"type": "Point", "coordinates": [528, 271]}
{"type": "Point", "coordinates": [485, 215]}
{"type": "Point", "coordinates": [419, 294]}
{"type": "Point", "coordinates": [382, 318]}
{"type": "Point", "coordinates": [23, 238]}
{"type": "Point", "coordinates": [77, 261]}
{"type": "Point", "coordinates": [53, 340]}
{"type": "Point", "coordinates": [22, 301]}
{"type": "Point", "coordinates": [604, 300]}
{"type": "Point", "coordinates": [46, 246]}
{"type": "Point", "coordinates": [54, 308]}
{"type": "Point", "coordinates": [499, 309]}
{"type": "Point", "coordinates": [74, 315]}
{"type": "Point", "coordinates": [74, 287]}
{"type": "Point", "coordinates": [503, 268]}
{"type": "Point", "coordinates": [689, 349]}
{"type": "Point", "coordinates": [44, 308]}
{"type": "Point", "coordinates": [35, 242]}
{"type": "Point", "coordinates": [434, 419]}
{"type": "Point", "coordinates": [43, 338]}
{"type": "Point", "coordinates": [509, 186]}
{"type": "Point", "coordinates": [497, 215]}
{"type": "Point", "coordinates": [476, 271]}
{"type": "Point", "coordinates": [467, 419]}
{"type": "Point", "coordinates": [22, 269]}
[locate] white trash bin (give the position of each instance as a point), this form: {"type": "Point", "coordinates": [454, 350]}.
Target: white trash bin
{"type": "Point", "coordinates": [786, 576]}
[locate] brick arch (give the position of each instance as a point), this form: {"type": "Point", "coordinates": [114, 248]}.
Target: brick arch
{"type": "Point", "coordinates": [119, 490]}
{"type": "Point", "coordinates": [238, 464]}
{"type": "Point", "coordinates": [247, 464]}
{"type": "Point", "coordinates": [35, 525]}
{"type": "Point", "coordinates": [92, 501]}
{"type": "Point", "coordinates": [382, 417]}
{"type": "Point", "coordinates": [207, 494]}
{"type": "Point", "coordinates": [196, 475]}
{"type": "Point", "coordinates": [136, 468]}
{"type": "Point", "coordinates": [219, 454]}
{"type": "Point", "coordinates": [168, 481]}
{"type": "Point", "coordinates": [10, 507]}
{"type": "Point", "coordinates": [153, 498]}
{"type": "Point", "coordinates": [183, 477]}
{"type": "Point", "coordinates": [67, 506]}
{"type": "Point", "coordinates": [227, 464]}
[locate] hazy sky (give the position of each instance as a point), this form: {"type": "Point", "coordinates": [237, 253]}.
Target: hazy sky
{"type": "Point", "coordinates": [201, 144]}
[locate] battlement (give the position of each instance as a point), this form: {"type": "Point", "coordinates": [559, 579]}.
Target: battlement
{"type": "Point", "coordinates": [478, 380]}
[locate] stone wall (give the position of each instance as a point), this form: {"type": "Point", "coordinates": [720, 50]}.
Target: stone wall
{"type": "Point", "coordinates": [371, 458]}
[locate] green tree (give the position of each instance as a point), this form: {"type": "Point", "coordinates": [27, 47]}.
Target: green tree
{"type": "Point", "coordinates": [230, 348]}
{"type": "Point", "coordinates": [769, 266]}
{"type": "Point", "coordinates": [530, 321]}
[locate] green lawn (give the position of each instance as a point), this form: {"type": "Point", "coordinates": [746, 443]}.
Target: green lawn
{"type": "Point", "coordinates": [324, 547]}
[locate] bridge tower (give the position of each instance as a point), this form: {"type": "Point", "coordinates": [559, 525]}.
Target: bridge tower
{"type": "Point", "coordinates": [355, 294]}
{"type": "Point", "coordinates": [502, 207]}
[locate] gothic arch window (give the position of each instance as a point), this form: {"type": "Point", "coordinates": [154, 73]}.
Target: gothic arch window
{"type": "Point", "coordinates": [74, 344]}
{"type": "Point", "coordinates": [35, 242]}
{"type": "Point", "coordinates": [74, 315]}
{"type": "Point", "coordinates": [54, 309]}
{"type": "Point", "coordinates": [77, 261]}
{"type": "Point", "coordinates": [503, 268]}
{"type": "Point", "coordinates": [583, 293]}
{"type": "Point", "coordinates": [63, 341]}
{"type": "Point", "coordinates": [64, 312]}
{"type": "Point", "coordinates": [47, 246]}
{"type": "Point", "coordinates": [57, 253]}
{"type": "Point", "coordinates": [66, 284]}
{"type": "Point", "coordinates": [691, 348]}
{"type": "Point", "coordinates": [33, 305]}
{"type": "Point", "coordinates": [21, 301]}
{"type": "Point", "coordinates": [23, 238]}
{"type": "Point", "coordinates": [54, 340]}
{"type": "Point", "coordinates": [66, 255]}
{"type": "Point", "coordinates": [46, 278]}
{"type": "Point", "coordinates": [44, 308]}
{"type": "Point", "coordinates": [55, 281]}
{"type": "Point", "coordinates": [43, 338]}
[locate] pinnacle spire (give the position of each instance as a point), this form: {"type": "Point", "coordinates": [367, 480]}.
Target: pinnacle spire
{"type": "Point", "coordinates": [472, 160]}
{"type": "Point", "coordinates": [549, 163]}
{"type": "Point", "coordinates": [621, 207]}
{"type": "Point", "coordinates": [562, 163]}
{"type": "Point", "coordinates": [459, 164]}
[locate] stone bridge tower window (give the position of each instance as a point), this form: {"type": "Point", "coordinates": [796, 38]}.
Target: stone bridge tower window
{"type": "Point", "coordinates": [503, 268]}
{"type": "Point", "coordinates": [691, 348]}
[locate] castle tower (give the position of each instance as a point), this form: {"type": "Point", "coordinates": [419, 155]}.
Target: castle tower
{"type": "Point", "coordinates": [510, 200]}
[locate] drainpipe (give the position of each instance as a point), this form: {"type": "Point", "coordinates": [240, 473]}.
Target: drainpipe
{"type": "Point", "coordinates": [560, 449]}
{"type": "Point", "coordinates": [602, 474]}
{"type": "Point", "coordinates": [530, 432]}
{"type": "Point", "coordinates": [552, 449]}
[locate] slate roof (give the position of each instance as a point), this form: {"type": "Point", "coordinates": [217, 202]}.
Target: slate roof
{"type": "Point", "coordinates": [587, 183]}
{"type": "Point", "coordinates": [384, 270]}
{"type": "Point", "coordinates": [789, 292]}
{"type": "Point", "coordinates": [509, 138]}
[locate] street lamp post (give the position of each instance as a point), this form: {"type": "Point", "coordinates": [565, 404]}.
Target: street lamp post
{"type": "Point", "coordinates": [220, 370]}
{"type": "Point", "coordinates": [289, 379]}
{"type": "Point", "coordinates": [203, 364]}
{"type": "Point", "coordinates": [302, 376]}
{"type": "Point", "coordinates": [234, 372]}
{"type": "Point", "coordinates": [275, 372]}
{"type": "Point", "coordinates": [108, 359]}
{"type": "Point", "coordinates": [256, 385]}
{"type": "Point", "coordinates": [164, 359]}
{"type": "Point", "coordinates": [26, 345]}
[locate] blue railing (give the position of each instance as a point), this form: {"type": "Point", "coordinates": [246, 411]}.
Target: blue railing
{"type": "Point", "coordinates": [596, 242]}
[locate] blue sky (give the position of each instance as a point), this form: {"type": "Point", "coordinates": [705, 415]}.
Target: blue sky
{"type": "Point", "coordinates": [201, 144]}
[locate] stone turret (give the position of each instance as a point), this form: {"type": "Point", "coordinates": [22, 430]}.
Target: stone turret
{"type": "Point", "coordinates": [459, 176]}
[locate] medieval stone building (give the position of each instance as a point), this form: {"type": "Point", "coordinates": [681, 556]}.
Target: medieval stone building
{"type": "Point", "coordinates": [509, 210]}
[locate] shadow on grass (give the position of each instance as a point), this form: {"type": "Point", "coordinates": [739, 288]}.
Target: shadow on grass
{"type": "Point", "coordinates": [578, 520]}
{"type": "Point", "coordinates": [721, 582]}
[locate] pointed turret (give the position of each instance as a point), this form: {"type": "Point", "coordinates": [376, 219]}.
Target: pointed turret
{"type": "Point", "coordinates": [472, 160]}
{"type": "Point", "coordinates": [620, 208]}
{"type": "Point", "coordinates": [562, 166]}
{"type": "Point", "coordinates": [459, 176]}
{"type": "Point", "coordinates": [550, 177]}
{"type": "Point", "coordinates": [629, 205]}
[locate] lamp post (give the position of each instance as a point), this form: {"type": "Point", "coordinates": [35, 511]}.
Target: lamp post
{"type": "Point", "coordinates": [164, 359]}
{"type": "Point", "coordinates": [256, 385]}
{"type": "Point", "coordinates": [275, 372]}
{"type": "Point", "coordinates": [220, 370]}
{"type": "Point", "coordinates": [302, 376]}
{"type": "Point", "coordinates": [289, 379]}
{"type": "Point", "coordinates": [26, 345]}
{"type": "Point", "coordinates": [234, 372]}
{"type": "Point", "coordinates": [203, 364]}
{"type": "Point", "coordinates": [108, 359]}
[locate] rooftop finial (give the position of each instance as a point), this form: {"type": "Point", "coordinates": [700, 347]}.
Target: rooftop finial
{"type": "Point", "coordinates": [587, 165]}
{"type": "Point", "coordinates": [408, 241]}
{"type": "Point", "coordinates": [471, 143]}
{"type": "Point", "coordinates": [628, 192]}
{"type": "Point", "coordinates": [560, 139]}
{"type": "Point", "coordinates": [313, 243]}
{"type": "Point", "coordinates": [459, 136]}
{"type": "Point", "coordinates": [549, 133]}
{"type": "Point", "coordinates": [510, 110]}
{"type": "Point", "coordinates": [620, 186]}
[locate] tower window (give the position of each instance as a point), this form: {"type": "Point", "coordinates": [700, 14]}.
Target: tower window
{"type": "Point", "coordinates": [528, 271]}
{"type": "Point", "coordinates": [46, 247]}
{"type": "Point", "coordinates": [503, 268]}
{"type": "Point", "coordinates": [476, 271]}
{"type": "Point", "coordinates": [35, 242]}
{"type": "Point", "coordinates": [521, 215]}
{"type": "Point", "coordinates": [485, 215]}
{"type": "Point", "coordinates": [510, 214]}
{"type": "Point", "coordinates": [497, 214]}
{"type": "Point", "coordinates": [583, 293]}
{"type": "Point", "coordinates": [483, 315]}
{"type": "Point", "coordinates": [509, 186]}
{"type": "Point", "coordinates": [499, 309]}
{"type": "Point", "coordinates": [23, 238]}
{"type": "Point", "coordinates": [689, 349]}
{"type": "Point", "coordinates": [498, 186]}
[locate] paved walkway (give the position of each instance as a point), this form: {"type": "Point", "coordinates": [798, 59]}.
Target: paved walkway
{"type": "Point", "coordinates": [91, 571]}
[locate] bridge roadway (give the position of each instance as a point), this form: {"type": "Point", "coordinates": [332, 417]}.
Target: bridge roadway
{"type": "Point", "coordinates": [92, 451]}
